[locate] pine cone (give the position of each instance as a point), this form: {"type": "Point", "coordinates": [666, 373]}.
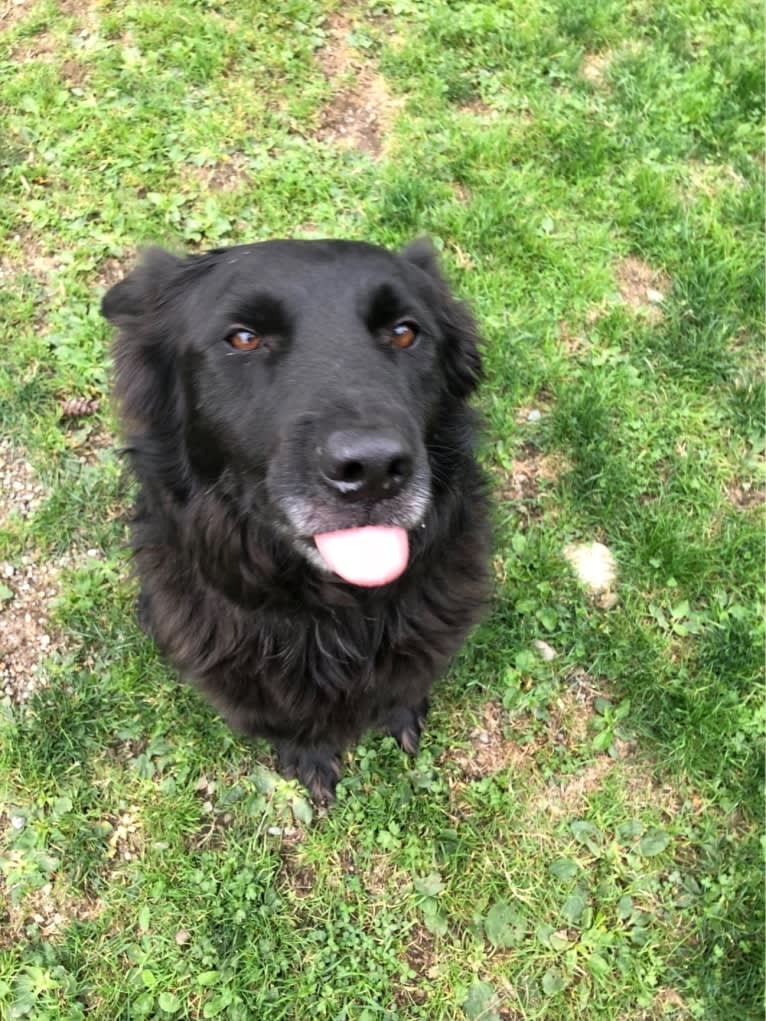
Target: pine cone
{"type": "Point", "coordinates": [79, 407]}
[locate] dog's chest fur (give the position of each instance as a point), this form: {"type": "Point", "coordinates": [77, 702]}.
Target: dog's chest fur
{"type": "Point", "coordinates": [295, 652]}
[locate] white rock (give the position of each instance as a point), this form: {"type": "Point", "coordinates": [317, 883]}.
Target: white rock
{"type": "Point", "coordinates": [546, 651]}
{"type": "Point", "coordinates": [594, 564]}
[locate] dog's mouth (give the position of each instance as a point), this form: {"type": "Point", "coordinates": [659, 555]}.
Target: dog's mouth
{"type": "Point", "coordinates": [363, 537]}
{"type": "Point", "coordinates": [368, 557]}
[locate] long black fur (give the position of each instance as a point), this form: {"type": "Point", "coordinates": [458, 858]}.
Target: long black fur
{"type": "Point", "coordinates": [220, 442]}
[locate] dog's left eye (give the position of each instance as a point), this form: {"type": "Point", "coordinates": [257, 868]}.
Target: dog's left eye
{"type": "Point", "coordinates": [403, 335]}
{"type": "Point", "coordinates": [244, 340]}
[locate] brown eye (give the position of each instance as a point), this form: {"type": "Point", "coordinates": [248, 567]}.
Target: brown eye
{"type": "Point", "coordinates": [244, 340]}
{"type": "Point", "coordinates": [404, 335]}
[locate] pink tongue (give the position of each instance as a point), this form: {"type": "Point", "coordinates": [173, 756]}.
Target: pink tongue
{"type": "Point", "coordinates": [365, 556]}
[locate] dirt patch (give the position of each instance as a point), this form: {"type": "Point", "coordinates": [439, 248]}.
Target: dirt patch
{"type": "Point", "coordinates": [358, 117]}
{"type": "Point", "coordinates": [359, 114]}
{"type": "Point", "coordinates": [126, 841]}
{"type": "Point", "coordinates": [744, 495]}
{"type": "Point", "coordinates": [594, 65]}
{"type": "Point", "coordinates": [642, 288]}
{"type": "Point", "coordinates": [461, 192]}
{"type": "Point", "coordinates": [49, 910]}
{"type": "Point", "coordinates": [73, 73]}
{"type": "Point", "coordinates": [43, 47]}
{"type": "Point", "coordinates": [420, 958]}
{"type": "Point", "coordinates": [22, 491]}
{"type": "Point", "coordinates": [380, 876]}
{"type": "Point", "coordinates": [493, 745]}
{"type": "Point", "coordinates": [571, 723]}
{"type": "Point", "coordinates": [27, 635]}
{"type": "Point", "coordinates": [531, 468]}
{"type": "Point", "coordinates": [462, 258]}
{"type": "Point", "coordinates": [91, 444]}
{"type": "Point", "coordinates": [309, 230]}
{"type": "Point", "coordinates": [212, 833]}
{"type": "Point", "coordinates": [77, 8]}
{"type": "Point", "coordinates": [669, 999]}
{"type": "Point", "coordinates": [226, 175]}
{"type": "Point", "coordinates": [502, 741]}
{"type": "Point", "coordinates": [526, 413]}
{"type": "Point", "coordinates": [525, 481]}
{"type": "Point", "coordinates": [33, 259]}
{"type": "Point", "coordinates": [46, 48]}
{"type": "Point", "coordinates": [712, 178]}
{"type": "Point", "coordinates": [376, 872]}
{"type": "Point", "coordinates": [110, 272]}
{"type": "Point", "coordinates": [569, 798]}
{"type": "Point", "coordinates": [573, 343]}
{"type": "Point", "coordinates": [477, 108]}
{"type": "Point", "coordinates": [13, 11]}
{"type": "Point", "coordinates": [299, 876]}
{"type": "Point", "coordinates": [421, 951]}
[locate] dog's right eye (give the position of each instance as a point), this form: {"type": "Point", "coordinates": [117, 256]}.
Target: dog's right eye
{"type": "Point", "coordinates": [244, 340]}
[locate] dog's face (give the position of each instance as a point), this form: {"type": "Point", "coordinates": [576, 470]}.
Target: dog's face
{"type": "Point", "coordinates": [312, 374]}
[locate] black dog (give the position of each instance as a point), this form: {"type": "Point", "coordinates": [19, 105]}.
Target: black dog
{"type": "Point", "coordinates": [311, 531]}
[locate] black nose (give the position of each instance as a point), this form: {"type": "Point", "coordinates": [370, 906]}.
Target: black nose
{"type": "Point", "coordinates": [365, 463]}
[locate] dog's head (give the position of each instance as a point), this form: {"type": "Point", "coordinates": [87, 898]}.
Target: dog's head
{"type": "Point", "coordinates": [305, 377]}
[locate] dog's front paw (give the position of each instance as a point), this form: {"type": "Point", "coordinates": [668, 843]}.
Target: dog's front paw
{"type": "Point", "coordinates": [318, 768]}
{"type": "Point", "coordinates": [406, 723]}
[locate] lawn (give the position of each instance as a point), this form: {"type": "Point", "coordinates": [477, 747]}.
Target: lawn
{"type": "Point", "coordinates": [580, 834]}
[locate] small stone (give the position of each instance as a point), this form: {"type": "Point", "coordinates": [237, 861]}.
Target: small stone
{"type": "Point", "coordinates": [594, 564]}
{"type": "Point", "coordinates": [18, 822]}
{"type": "Point", "coordinates": [534, 415]}
{"type": "Point", "coordinates": [546, 651]}
{"type": "Point", "coordinates": [656, 297]}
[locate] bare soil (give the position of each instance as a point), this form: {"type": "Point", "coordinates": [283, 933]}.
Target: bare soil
{"type": "Point", "coordinates": [359, 114]}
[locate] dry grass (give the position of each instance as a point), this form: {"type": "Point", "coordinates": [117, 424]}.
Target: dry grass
{"type": "Point", "coordinates": [361, 110]}
{"type": "Point", "coordinates": [594, 65]}
{"type": "Point", "coordinates": [642, 288]}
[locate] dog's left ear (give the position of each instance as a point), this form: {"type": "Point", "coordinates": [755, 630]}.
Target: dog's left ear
{"type": "Point", "coordinates": [462, 363]}
{"type": "Point", "coordinates": [135, 296]}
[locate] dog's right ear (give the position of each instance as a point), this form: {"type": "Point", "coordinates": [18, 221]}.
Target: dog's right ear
{"type": "Point", "coordinates": [144, 353]}
{"type": "Point", "coordinates": [462, 359]}
{"type": "Point", "coordinates": [140, 291]}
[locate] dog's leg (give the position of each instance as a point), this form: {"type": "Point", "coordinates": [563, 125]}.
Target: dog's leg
{"type": "Point", "coordinates": [406, 724]}
{"type": "Point", "coordinates": [318, 767]}
{"type": "Point", "coordinates": [144, 613]}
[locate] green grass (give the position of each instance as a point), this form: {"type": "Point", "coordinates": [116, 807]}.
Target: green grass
{"type": "Point", "coordinates": [579, 838]}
